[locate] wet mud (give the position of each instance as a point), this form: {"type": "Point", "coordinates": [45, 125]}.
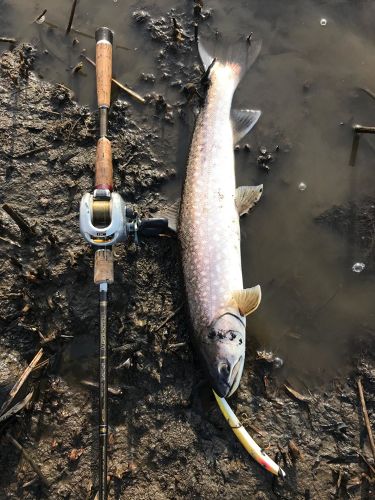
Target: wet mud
{"type": "Point", "coordinates": [167, 436]}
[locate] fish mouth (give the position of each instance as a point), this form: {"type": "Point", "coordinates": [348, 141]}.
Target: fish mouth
{"type": "Point", "coordinates": [226, 381]}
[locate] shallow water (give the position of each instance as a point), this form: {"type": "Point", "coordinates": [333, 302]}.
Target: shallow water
{"type": "Point", "coordinates": [306, 83]}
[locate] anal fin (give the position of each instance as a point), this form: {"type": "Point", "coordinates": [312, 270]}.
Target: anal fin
{"type": "Point", "coordinates": [247, 197]}
{"type": "Point", "coordinates": [247, 300]}
{"type": "Point", "coordinates": [243, 120]}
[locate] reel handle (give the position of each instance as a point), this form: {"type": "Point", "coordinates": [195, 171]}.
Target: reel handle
{"type": "Point", "coordinates": [103, 165]}
{"type": "Point", "coordinates": [104, 40]}
{"type": "Point", "coordinates": [153, 227]}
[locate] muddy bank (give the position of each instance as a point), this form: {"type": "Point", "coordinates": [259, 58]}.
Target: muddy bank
{"type": "Point", "coordinates": [168, 439]}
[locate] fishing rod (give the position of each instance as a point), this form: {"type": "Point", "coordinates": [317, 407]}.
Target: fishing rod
{"type": "Point", "coordinates": [105, 220]}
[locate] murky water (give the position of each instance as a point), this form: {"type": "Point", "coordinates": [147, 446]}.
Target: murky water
{"type": "Point", "coordinates": [306, 83]}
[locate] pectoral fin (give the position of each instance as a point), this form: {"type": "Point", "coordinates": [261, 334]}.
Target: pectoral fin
{"type": "Point", "coordinates": [248, 299]}
{"type": "Point", "coordinates": [247, 197]}
{"type": "Point", "coordinates": [243, 120]}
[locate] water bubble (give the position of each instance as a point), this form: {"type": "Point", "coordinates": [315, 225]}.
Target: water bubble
{"type": "Point", "coordinates": [278, 362]}
{"type": "Point", "coordinates": [358, 267]}
{"type": "Point", "coordinates": [323, 22]}
{"type": "Point", "coordinates": [302, 186]}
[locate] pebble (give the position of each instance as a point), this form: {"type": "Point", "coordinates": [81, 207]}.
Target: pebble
{"type": "Point", "coordinates": [302, 186]}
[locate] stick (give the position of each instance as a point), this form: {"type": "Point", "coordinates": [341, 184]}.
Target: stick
{"type": "Point", "coordinates": [361, 129]}
{"type": "Point", "coordinates": [27, 457]}
{"type": "Point", "coordinates": [168, 318]}
{"type": "Point", "coordinates": [17, 386]}
{"type": "Point", "coordinates": [71, 17]}
{"type": "Point", "coordinates": [40, 16]}
{"type": "Point", "coordinates": [368, 92]}
{"type": "Point", "coordinates": [372, 469]}
{"type": "Point", "coordinates": [30, 151]}
{"type": "Point", "coordinates": [365, 415]}
{"type": "Point", "coordinates": [18, 219]}
{"type": "Point", "coordinates": [119, 84]}
{"type": "Point", "coordinates": [7, 40]}
{"type": "Point", "coordinates": [16, 408]}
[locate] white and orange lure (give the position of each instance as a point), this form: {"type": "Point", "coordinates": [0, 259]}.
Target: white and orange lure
{"type": "Point", "coordinates": [246, 440]}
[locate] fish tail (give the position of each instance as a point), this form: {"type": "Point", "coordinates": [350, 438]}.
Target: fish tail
{"type": "Point", "coordinates": [237, 57]}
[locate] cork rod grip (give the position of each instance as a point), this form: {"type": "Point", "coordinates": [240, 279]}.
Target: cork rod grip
{"type": "Point", "coordinates": [103, 72]}
{"type": "Point", "coordinates": [103, 166]}
{"type": "Point", "coordinates": [103, 267]}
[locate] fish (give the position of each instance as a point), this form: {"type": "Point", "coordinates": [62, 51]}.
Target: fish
{"type": "Point", "coordinates": [208, 223]}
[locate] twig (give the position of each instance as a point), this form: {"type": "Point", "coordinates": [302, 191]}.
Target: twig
{"type": "Point", "coordinates": [10, 242]}
{"type": "Point", "coordinates": [368, 92]}
{"type": "Point", "coordinates": [16, 408]}
{"type": "Point", "coordinates": [40, 16]}
{"type": "Point", "coordinates": [31, 461]}
{"type": "Point", "coordinates": [119, 84]}
{"type": "Point", "coordinates": [17, 386]}
{"type": "Point", "coordinates": [365, 415]}
{"type": "Point", "coordinates": [18, 219]}
{"type": "Point", "coordinates": [31, 151]}
{"type": "Point", "coordinates": [71, 17]}
{"type": "Point", "coordinates": [297, 395]}
{"type": "Point", "coordinates": [7, 39]}
{"type": "Point", "coordinates": [82, 33]}
{"type": "Point", "coordinates": [168, 318]}
{"type": "Point", "coordinates": [361, 129]}
{"type": "Point", "coordinates": [115, 391]}
{"type": "Point", "coordinates": [371, 467]}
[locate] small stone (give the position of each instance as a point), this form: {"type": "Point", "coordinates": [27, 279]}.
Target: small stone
{"type": "Point", "coordinates": [302, 186]}
{"type": "Point", "coordinates": [237, 148]}
{"type": "Point", "coordinates": [247, 147]}
{"type": "Point", "coordinates": [263, 150]}
{"type": "Point", "coordinates": [323, 22]}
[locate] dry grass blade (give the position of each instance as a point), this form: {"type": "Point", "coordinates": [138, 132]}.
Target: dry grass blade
{"type": "Point", "coordinates": [17, 386]}
{"type": "Point", "coordinates": [297, 395]}
{"type": "Point", "coordinates": [365, 416]}
{"type": "Point", "coordinates": [29, 459]}
{"type": "Point", "coordinates": [16, 408]}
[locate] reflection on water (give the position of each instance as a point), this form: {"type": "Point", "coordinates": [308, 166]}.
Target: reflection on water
{"type": "Point", "coordinates": [306, 83]}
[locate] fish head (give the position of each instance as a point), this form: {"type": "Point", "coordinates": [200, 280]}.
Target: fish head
{"type": "Point", "coordinates": [223, 352]}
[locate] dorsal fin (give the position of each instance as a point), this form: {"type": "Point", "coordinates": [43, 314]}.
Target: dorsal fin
{"type": "Point", "coordinates": [247, 300]}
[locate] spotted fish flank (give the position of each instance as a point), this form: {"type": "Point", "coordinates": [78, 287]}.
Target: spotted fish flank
{"type": "Point", "coordinates": [209, 224]}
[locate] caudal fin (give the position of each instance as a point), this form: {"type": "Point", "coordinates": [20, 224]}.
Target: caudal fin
{"type": "Point", "coordinates": [238, 56]}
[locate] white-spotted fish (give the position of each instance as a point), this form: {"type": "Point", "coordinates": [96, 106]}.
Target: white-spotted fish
{"type": "Point", "coordinates": [208, 225]}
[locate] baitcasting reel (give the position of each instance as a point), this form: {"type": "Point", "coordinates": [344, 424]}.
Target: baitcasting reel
{"type": "Point", "coordinates": [105, 220]}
